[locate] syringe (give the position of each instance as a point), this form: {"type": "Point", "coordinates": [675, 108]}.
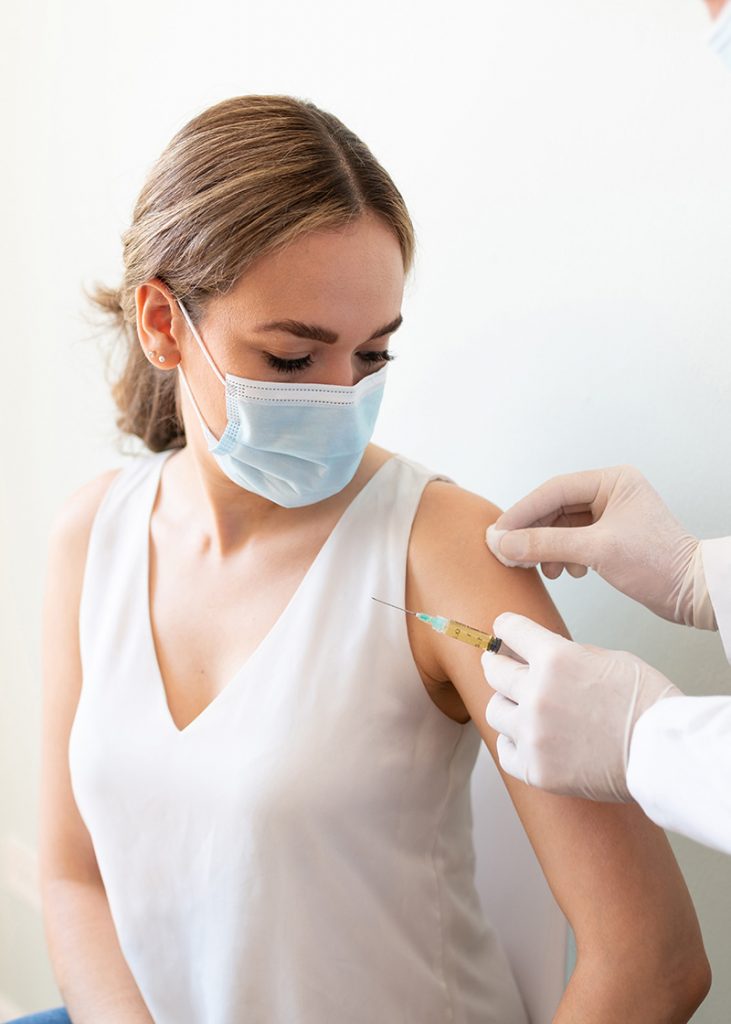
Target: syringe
{"type": "Point", "coordinates": [450, 627]}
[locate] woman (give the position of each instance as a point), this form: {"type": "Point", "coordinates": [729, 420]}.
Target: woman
{"type": "Point", "coordinates": [256, 806]}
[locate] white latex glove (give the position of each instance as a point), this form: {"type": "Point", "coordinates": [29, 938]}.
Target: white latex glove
{"type": "Point", "coordinates": [613, 521]}
{"type": "Point", "coordinates": [566, 717]}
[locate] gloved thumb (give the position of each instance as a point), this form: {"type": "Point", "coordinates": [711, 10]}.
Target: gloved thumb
{"type": "Point", "coordinates": [509, 757]}
{"type": "Point", "coordinates": [527, 548]}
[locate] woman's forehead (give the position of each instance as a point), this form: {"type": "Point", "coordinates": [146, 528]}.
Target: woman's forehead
{"type": "Point", "coordinates": [345, 275]}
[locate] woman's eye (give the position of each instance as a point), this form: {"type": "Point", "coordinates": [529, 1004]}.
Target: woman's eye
{"type": "Point", "coordinates": [295, 365]}
{"type": "Point", "coordinates": [377, 357]}
{"type": "Point", "coordinates": [288, 365]}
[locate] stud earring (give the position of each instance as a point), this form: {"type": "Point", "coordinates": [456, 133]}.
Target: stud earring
{"type": "Point", "coordinates": [151, 354]}
{"type": "Point", "coordinates": [161, 359]}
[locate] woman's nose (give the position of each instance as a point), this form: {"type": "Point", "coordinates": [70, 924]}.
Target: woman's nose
{"type": "Point", "coordinates": [343, 371]}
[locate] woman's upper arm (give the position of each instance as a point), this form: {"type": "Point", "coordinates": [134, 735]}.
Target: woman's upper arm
{"type": "Point", "coordinates": [66, 850]}
{"type": "Point", "coordinates": [611, 870]}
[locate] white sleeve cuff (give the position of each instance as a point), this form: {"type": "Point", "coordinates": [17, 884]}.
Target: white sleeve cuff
{"type": "Point", "coordinates": [717, 570]}
{"type": "Point", "coordinates": [680, 766]}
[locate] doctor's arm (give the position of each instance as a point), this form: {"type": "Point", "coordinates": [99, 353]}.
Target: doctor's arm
{"type": "Point", "coordinates": [640, 955]}
{"type": "Point", "coordinates": [680, 765]}
{"type": "Point", "coordinates": [680, 755]}
{"type": "Point", "coordinates": [91, 972]}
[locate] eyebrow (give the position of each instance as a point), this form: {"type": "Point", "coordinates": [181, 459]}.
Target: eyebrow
{"type": "Point", "coordinates": [316, 333]}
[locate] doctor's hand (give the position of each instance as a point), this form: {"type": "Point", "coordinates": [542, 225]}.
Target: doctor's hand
{"type": "Point", "coordinates": [566, 717]}
{"type": "Point", "coordinates": [613, 521]}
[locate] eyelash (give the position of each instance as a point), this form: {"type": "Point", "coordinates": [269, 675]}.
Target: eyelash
{"type": "Point", "coordinates": [295, 365]}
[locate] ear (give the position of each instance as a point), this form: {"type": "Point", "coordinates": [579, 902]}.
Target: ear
{"type": "Point", "coordinates": [156, 308]}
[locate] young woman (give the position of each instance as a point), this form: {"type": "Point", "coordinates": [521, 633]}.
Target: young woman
{"type": "Point", "coordinates": [255, 779]}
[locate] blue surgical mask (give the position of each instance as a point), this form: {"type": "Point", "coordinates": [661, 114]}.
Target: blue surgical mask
{"type": "Point", "coordinates": [294, 444]}
{"type": "Point", "coordinates": [720, 39]}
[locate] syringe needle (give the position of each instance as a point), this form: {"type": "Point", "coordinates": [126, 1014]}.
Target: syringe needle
{"type": "Point", "coordinates": [399, 609]}
{"type": "Point", "coordinates": [451, 627]}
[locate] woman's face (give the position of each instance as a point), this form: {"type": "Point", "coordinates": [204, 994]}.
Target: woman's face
{"type": "Point", "coordinates": [322, 311]}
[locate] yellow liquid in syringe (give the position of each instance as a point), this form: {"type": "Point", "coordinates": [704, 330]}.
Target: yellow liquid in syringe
{"type": "Point", "coordinates": [450, 627]}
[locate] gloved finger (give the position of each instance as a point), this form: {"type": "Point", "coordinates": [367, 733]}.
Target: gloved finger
{"type": "Point", "coordinates": [525, 637]}
{"type": "Point", "coordinates": [552, 570]}
{"type": "Point", "coordinates": [547, 544]}
{"type": "Point", "coordinates": [576, 570]}
{"type": "Point", "coordinates": [504, 674]}
{"type": "Point", "coordinates": [594, 649]}
{"type": "Point", "coordinates": [567, 517]}
{"type": "Point", "coordinates": [560, 492]}
{"type": "Point", "coordinates": [509, 758]}
{"type": "Point", "coordinates": [501, 715]}
{"type": "Point", "coordinates": [493, 539]}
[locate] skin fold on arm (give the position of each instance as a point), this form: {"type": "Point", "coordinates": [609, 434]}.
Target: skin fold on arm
{"type": "Point", "coordinates": [640, 955]}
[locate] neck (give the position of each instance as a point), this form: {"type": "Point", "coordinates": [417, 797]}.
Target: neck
{"type": "Point", "coordinates": [226, 516]}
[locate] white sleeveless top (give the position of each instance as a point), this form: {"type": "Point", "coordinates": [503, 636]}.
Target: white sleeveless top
{"type": "Point", "coordinates": [300, 853]}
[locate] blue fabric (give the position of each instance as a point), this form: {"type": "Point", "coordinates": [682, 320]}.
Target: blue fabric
{"type": "Point", "coordinates": [57, 1016]}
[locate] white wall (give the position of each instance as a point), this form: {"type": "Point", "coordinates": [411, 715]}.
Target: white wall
{"type": "Point", "coordinates": [566, 164]}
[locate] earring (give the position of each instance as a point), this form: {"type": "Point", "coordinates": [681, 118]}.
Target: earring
{"type": "Point", "coordinates": [161, 359]}
{"type": "Point", "coordinates": [151, 354]}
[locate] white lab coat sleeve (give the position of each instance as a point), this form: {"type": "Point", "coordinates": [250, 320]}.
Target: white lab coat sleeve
{"type": "Point", "coordinates": [716, 556]}
{"type": "Point", "coordinates": [679, 768]}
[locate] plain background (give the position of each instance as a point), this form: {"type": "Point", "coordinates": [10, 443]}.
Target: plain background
{"type": "Point", "coordinates": [566, 164]}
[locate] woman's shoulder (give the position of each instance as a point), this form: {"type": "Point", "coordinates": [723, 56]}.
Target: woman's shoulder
{"type": "Point", "coordinates": [447, 549]}
{"type": "Point", "coordinates": [444, 500]}
{"type": "Point", "coordinates": [76, 514]}
{"type": "Point", "coordinates": [451, 568]}
{"type": "Point", "coordinates": [68, 543]}
{"type": "Point", "coordinates": [452, 572]}
{"type": "Point", "coordinates": [72, 523]}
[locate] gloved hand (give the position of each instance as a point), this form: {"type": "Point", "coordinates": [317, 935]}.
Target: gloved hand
{"type": "Point", "coordinates": [566, 717]}
{"type": "Point", "coordinates": [613, 521]}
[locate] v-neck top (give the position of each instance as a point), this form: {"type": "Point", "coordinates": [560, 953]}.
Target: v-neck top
{"type": "Point", "coordinates": [301, 852]}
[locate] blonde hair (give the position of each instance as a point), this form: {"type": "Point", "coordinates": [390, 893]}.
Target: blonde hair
{"type": "Point", "coordinates": [241, 179]}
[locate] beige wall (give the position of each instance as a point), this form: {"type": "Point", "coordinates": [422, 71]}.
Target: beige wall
{"type": "Point", "coordinates": [567, 165]}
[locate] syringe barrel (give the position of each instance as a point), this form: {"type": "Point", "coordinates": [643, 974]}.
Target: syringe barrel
{"type": "Point", "coordinates": [470, 635]}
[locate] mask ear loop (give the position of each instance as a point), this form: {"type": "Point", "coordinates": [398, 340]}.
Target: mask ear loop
{"type": "Point", "coordinates": [204, 425]}
{"type": "Point", "coordinates": [202, 347]}
{"type": "Point", "coordinates": [207, 432]}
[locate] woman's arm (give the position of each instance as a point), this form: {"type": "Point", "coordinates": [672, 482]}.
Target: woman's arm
{"type": "Point", "coordinates": [640, 955]}
{"type": "Point", "coordinates": [91, 972]}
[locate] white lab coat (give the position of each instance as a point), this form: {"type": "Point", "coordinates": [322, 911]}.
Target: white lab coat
{"type": "Point", "coordinates": [680, 758]}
